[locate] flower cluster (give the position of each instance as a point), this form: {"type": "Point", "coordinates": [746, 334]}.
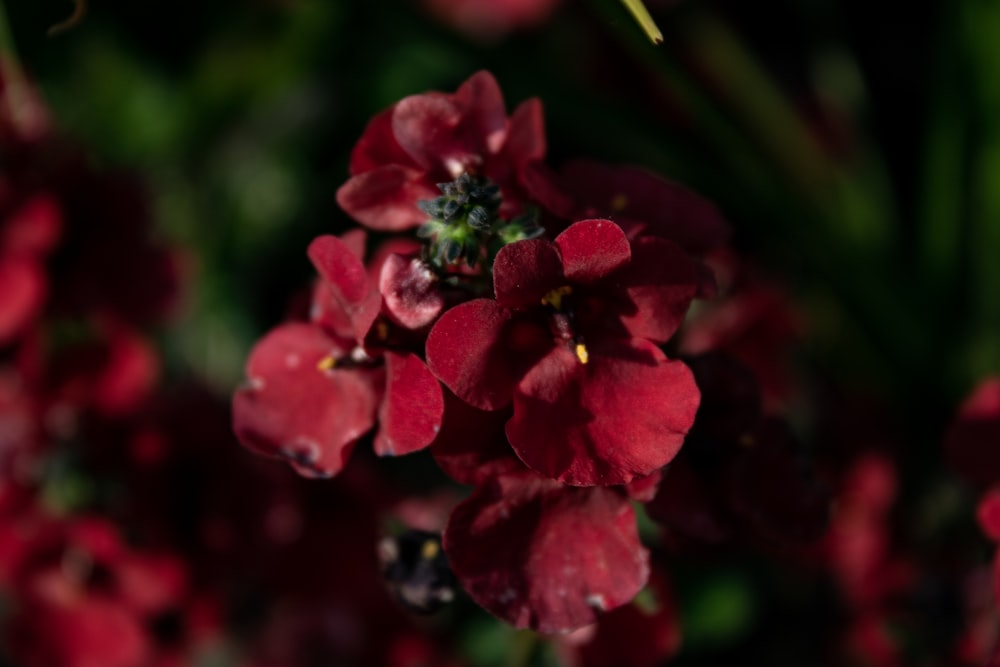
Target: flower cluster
{"type": "Point", "coordinates": [519, 324]}
{"type": "Point", "coordinates": [971, 447]}
{"type": "Point", "coordinates": [597, 381]}
{"type": "Point", "coordinates": [128, 537]}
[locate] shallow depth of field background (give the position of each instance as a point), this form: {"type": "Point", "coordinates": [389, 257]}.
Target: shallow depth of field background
{"type": "Point", "coordinates": [853, 146]}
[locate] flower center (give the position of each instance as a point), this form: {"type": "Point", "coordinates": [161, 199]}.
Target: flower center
{"type": "Point", "coordinates": [357, 358]}
{"type": "Point", "coordinates": [464, 228]}
{"type": "Point", "coordinates": [562, 321]}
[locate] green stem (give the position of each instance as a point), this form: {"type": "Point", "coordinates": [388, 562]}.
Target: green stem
{"type": "Point", "coordinates": [645, 21]}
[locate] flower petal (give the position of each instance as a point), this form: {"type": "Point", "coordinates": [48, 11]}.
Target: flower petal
{"type": "Point", "coordinates": [410, 291]}
{"type": "Point", "coordinates": [467, 352]}
{"type": "Point", "coordinates": [426, 126]}
{"type": "Point", "coordinates": [292, 409]}
{"type": "Point", "coordinates": [23, 288]}
{"type": "Point", "coordinates": [338, 264]}
{"type": "Point", "coordinates": [526, 137]}
{"type": "Point", "coordinates": [592, 249]}
{"type": "Point", "coordinates": [634, 196]}
{"type": "Point", "coordinates": [345, 274]}
{"type": "Point", "coordinates": [410, 416]}
{"type": "Point", "coordinates": [472, 446]}
{"type": "Point", "coordinates": [988, 513]}
{"type": "Point", "coordinates": [545, 556]}
{"type": "Point", "coordinates": [973, 440]}
{"type": "Point", "coordinates": [386, 197]}
{"type": "Point", "coordinates": [637, 635]}
{"type": "Point", "coordinates": [485, 114]}
{"type": "Point", "coordinates": [621, 415]}
{"type": "Point", "coordinates": [658, 286]}
{"type": "Point", "coordinates": [526, 271]}
{"type": "Point", "coordinates": [378, 146]}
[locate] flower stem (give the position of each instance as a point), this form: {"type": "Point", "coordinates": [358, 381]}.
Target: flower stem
{"type": "Point", "coordinates": [645, 21]}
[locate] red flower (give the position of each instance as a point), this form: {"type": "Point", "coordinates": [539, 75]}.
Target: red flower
{"type": "Point", "coordinates": [973, 448]}
{"type": "Point", "coordinates": [973, 441]}
{"type": "Point", "coordinates": [754, 320]}
{"type": "Point", "coordinates": [434, 138]}
{"type": "Point", "coordinates": [644, 633]}
{"type": "Point", "coordinates": [489, 20]}
{"type": "Point", "coordinates": [472, 447]}
{"type": "Point", "coordinates": [571, 342]}
{"type": "Point", "coordinates": [314, 390]}
{"type": "Point", "coordinates": [739, 474]}
{"type": "Point", "coordinates": [83, 597]}
{"type": "Point", "coordinates": [641, 202]}
{"type": "Point", "coordinates": [74, 240]}
{"type": "Point", "coordinates": [542, 555]}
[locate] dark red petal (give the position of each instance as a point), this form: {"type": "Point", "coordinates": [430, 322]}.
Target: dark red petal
{"type": "Point", "coordinates": [327, 311]}
{"type": "Point", "coordinates": [485, 115]}
{"type": "Point", "coordinates": [658, 286]}
{"type": "Point", "coordinates": [526, 271]}
{"type": "Point", "coordinates": [62, 627]}
{"type": "Point", "coordinates": [643, 489]}
{"type": "Point", "coordinates": [151, 582]}
{"type": "Point", "coordinates": [394, 245]}
{"type": "Point", "coordinates": [526, 136]}
{"type": "Point", "coordinates": [687, 507]}
{"type": "Point", "coordinates": [637, 634]}
{"type": "Point", "coordinates": [378, 147]}
{"type": "Point", "coordinates": [472, 445]}
{"type": "Point", "coordinates": [385, 198]}
{"type": "Point", "coordinates": [973, 441]}
{"type": "Point", "coordinates": [345, 274]}
{"type": "Point", "coordinates": [592, 249]}
{"type": "Point", "coordinates": [467, 352]}
{"type": "Point", "coordinates": [665, 209]}
{"type": "Point", "coordinates": [339, 266]}
{"type": "Point", "coordinates": [545, 556]}
{"type": "Point", "coordinates": [34, 228]}
{"type": "Point", "coordinates": [23, 287]}
{"type": "Point", "coordinates": [290, 408]}
{"type": "Point", "coordinates": [410, 416]}
{"type": "Point", "coordinates": [988, 514]}
{"type": "Point", "coordinates": [410, 291]}
{"type": "Point", "coordinates": [621, 415]}
{"type": "Point", "coordinates": [356, 240]}
{"type": "Point", "coordinates": [127, 376]}
{"type": "Point", "coordinates": [426, 126]}
{"type": "Point", "coordinates": [545, 187]}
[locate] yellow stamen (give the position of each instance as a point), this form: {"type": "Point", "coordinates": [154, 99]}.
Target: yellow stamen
{"type": "Point", "coordinates": [555, 297]}
{"type": "Point", "coordinates": [581, 353]}
{"type": "Point", "coordinates": [429, 550]}
{"type": "Point", "coordinates": [619, 202]}
{"type": "Point", "coordinates": [326, 363]}
{"type": "Point", "coordinates": [381, 330]}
